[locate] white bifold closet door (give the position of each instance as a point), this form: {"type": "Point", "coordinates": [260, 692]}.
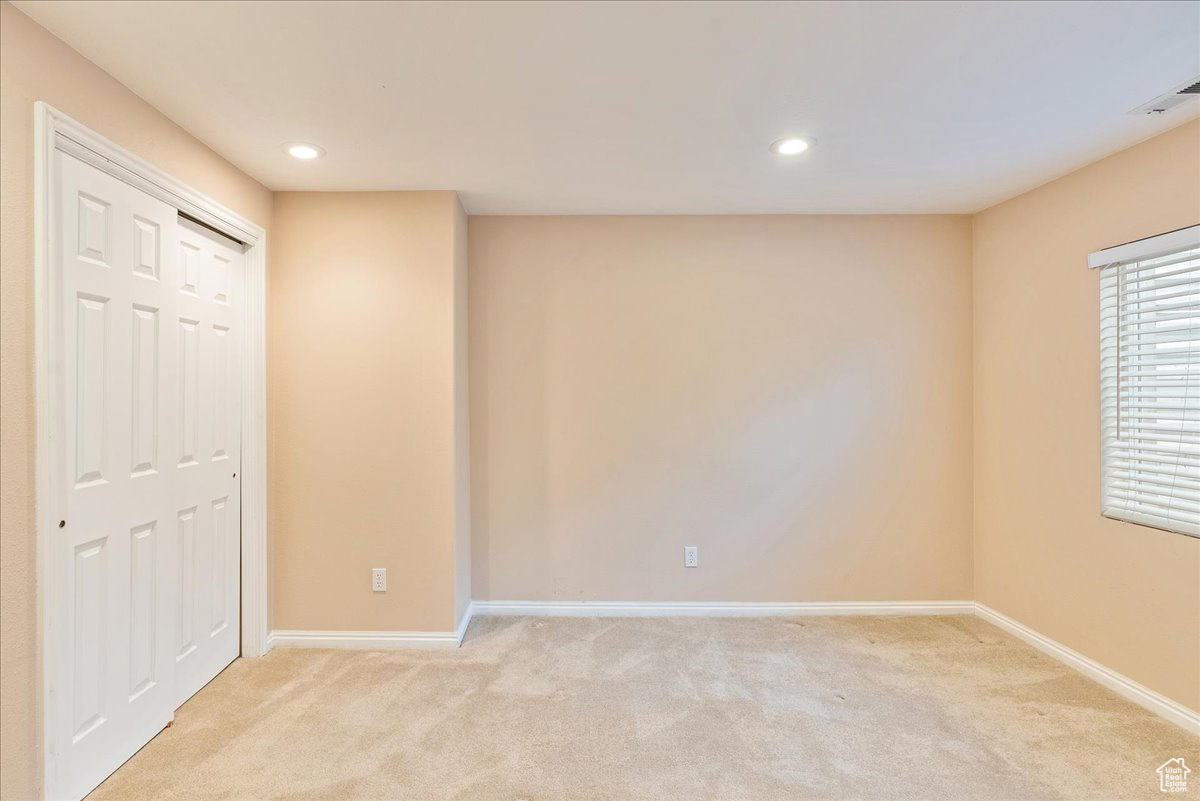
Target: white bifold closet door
{"type": "Point", "coordinates": [145, 587]}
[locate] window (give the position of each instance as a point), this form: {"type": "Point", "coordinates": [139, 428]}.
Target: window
{"type": "Point", "coordinates": [1150, 380]}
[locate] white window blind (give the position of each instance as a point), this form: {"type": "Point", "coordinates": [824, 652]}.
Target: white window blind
{"type": "Point", "coordinates": [1150, 380]}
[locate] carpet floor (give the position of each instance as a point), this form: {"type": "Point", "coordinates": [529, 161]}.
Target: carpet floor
{"type": "Point", "coordinates": [656, 709]}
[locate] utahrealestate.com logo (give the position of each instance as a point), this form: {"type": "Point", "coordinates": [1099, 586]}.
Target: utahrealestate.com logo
{"type": "Point", "coordinates": [1172, 776]}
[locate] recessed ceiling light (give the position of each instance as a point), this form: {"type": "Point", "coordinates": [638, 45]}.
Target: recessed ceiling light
{"type": "Point", "coordinates": [791, 145]}
{"type": "Point", "coordinates": [303, 151]}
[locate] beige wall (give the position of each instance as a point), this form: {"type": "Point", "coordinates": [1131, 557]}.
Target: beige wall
{"type": "Point", "coordinates": [790, 394]}
{"type": "Point", "coordinates": [462, 418]}
{"type": "Point", "coordinates": [36, 66]}
{"type": "Point", "coordinates": [366, 435]}
{"type": "Point", "coordinates": [1125, 595]}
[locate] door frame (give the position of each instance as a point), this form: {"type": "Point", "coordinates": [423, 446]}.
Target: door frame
{"type": "Point", "coordinates": [53, 131]}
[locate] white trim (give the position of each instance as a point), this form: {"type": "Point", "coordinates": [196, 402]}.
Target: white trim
{"type": "Point", "coordinates": [255, 594]}
{"type": "Point", "coordinates": [718, 609]}
{"type": "Point", "coordinates": [71, 136]}
{"type": "Point", "coordinates": [364, 640]}
{"type": "Point", "coordinates": [461, 631]}
{"type": "Point", "coordinates": [374, 640]}
{"type": "Point", "coordinates": [54, 130]}
{"type": "Point", "coordinates": [1122, 685]}
{"type": "Point", "coordinates": [1151, 246]}
{"type": "Point", "coordinates": [46, 319]}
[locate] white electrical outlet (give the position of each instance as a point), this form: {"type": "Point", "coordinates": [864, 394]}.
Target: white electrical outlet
{"type": "Point", "coordinates": [379, 579]}
{"type": "Point", "coordinates": [691, 556]}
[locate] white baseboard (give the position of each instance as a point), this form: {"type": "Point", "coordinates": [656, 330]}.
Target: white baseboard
{"type": "Point", "coordinates": [461, 630]}
{"type": "Point", "coordinates": [718, 609]}
{"type": "Point", "coordinates": [373, 640]}
{"type": "Point", "coordinates": [1122, 685]}
{"type": "Point", "coordinates": [365, 640]}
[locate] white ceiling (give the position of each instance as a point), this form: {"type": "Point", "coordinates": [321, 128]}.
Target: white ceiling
{"type": "Point", "coordinates": [653, 107]}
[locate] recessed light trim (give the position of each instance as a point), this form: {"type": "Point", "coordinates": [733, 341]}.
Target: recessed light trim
{"type": "Point", "coordinates": [792, 145]}
{"type": "Point", "coordinates": [304, 151]}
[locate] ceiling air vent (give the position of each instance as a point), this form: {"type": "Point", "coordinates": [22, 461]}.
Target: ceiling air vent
{"type": "Point", "coordinates": [1178, 95]}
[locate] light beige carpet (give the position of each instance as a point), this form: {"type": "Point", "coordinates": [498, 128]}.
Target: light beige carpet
{"type": "Point", "coordinates": [558, 708]}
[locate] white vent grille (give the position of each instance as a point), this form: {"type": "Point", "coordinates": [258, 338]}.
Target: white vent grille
{"type": "Point", "coordinates": [1176, 97]}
